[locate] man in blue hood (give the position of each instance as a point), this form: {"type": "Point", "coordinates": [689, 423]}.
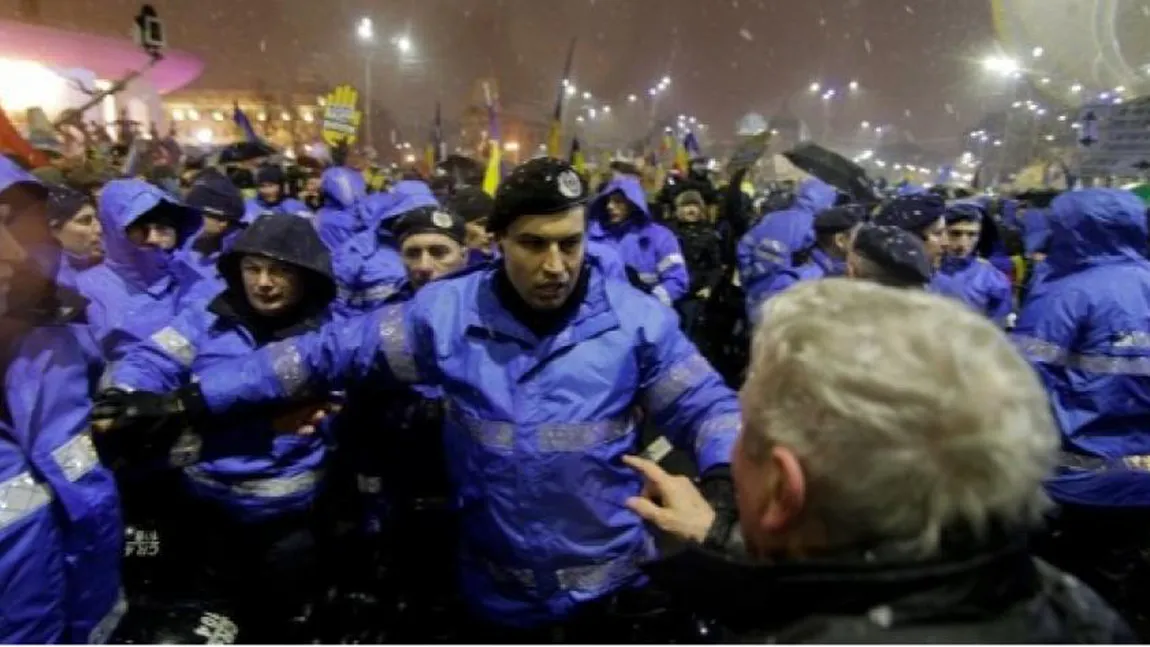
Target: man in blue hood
{"type": "Point", "coordinates": [271, 194]}
{"type": "Point", "coordinates": [368, 269]}
{"type": "Point", "coordinates": [769, 247]}
{"type": "Point", "coordinates": [342, 189]}
{"type": "Point", "coordinates": [139, 286]}
{"type": "Point", "coordinates": [1086, 330]}
{"type": "Point", "coordinates": [619, 218]}
{"type": "Point", "coordinates": [61, 535]}
{"type": "Point", "coordinates": [976, 281]}
{"type": "Point", "coordinates": [224, 214]}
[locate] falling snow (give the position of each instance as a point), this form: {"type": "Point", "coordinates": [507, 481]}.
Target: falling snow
{"type": "Point", "coordinates": [746, 34]}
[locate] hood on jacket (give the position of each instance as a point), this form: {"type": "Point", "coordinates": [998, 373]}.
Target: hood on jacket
{"type": "Point", "coordinates": [1094, 227]}
{"type": "Point", "coordinates": [342, 187]}
{"type": "Point", "coordinates": [381, 209]}
{"type": "Point", "coordinates": [1035, 225]}
{"type": "Point", "coordinates": [630, 189]}
{"type": "Point", "coordinates": [12, 176]}
{"type": "Point", "coordinates": [122, 203]}
{"type": "Point", "coordinates": [814, 195]}
{"type": "Point", "coordinates": [292, 241]}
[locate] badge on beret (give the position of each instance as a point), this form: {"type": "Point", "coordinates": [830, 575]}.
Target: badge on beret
{"type": "Point", "coordinates": [570, 186]}
{"type": "Point", "coordinates": [441, 220]}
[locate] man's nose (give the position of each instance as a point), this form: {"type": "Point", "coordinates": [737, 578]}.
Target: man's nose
{"type": "Point", "coordinates": [553, 261]}
{"type": "Point", "coordinates": [154, 237]}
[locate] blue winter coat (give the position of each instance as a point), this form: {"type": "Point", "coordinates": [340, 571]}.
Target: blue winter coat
{"type": "Point", "coordinates": [820, 266]}
{"type": "Point", "coordinates": [368, 268]}
{"type": "Point", "coordinates": [339, 218]}
{"type": "Point", "coordinates": [135, 291]}
{"type": "Point", "coordinates": [61, 536]}
{"type": "Point", "coordinates": [769, 247]}
{"type": "Point", "coordinates": [256, 207]}
{"type": "Point", "coordinates": [980, 285]}
{"type": "Point", "coordinates": [535, 427]}
{"type": "Point", "coordinates": [1086, 329]}
{"type": "Point", "coordinates": [649, 248]}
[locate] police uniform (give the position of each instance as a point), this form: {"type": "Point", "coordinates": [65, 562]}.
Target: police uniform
{"type": "Point", "coordinates": [541, 406]}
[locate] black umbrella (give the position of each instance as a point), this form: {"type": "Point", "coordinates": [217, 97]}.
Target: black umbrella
{"type": "Point", "coordinates": [244, 151]}
{"type": "Point", "coordinates": [834, 169]}
{"type": "Point", "coordinates": [462, 170]}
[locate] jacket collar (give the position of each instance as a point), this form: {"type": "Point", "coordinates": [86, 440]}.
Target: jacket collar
{"type": "Point", "coordinates": [234, 309]}
{"type": "Point", "coordinates": [984, 575]}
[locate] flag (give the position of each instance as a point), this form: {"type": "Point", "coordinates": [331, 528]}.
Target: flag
{"type": "Point", "coordinates": [494, 154]}
{"type": "Point", "coordinates": [682, 158]}
{"type": "Point", "coordinates": [555, 134]}
{"type": "Point", "coordinates": [576, 158]}
{"type": "Point", "coordinates": [244, 123]}
{"type": "Point", "coordinates": [11, 141]}
{"type": "Point", "coordinates": [944, 175]}
{"type": "Point", "coordinates": [435, 153]}
{"type": "Point", "coordinates": [691, 146]}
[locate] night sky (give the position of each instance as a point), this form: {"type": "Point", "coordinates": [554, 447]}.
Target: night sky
{"type": "Point", "coordinates": [914, 59]}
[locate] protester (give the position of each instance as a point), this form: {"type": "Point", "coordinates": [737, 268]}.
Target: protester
{"type": "Point", "coordinates": [1085, 329]}
{"type": "Point", "coordinates": [702, 254]}
{"type": "Point", "coordinates": [835, 554]}
{"type": "Point", "coordinates": [532, 452]}
{"type": "Point", "coordinates": [475, 207]}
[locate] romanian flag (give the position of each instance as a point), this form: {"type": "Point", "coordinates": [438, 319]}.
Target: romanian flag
{"type": "Point", "coordinates": [494, 153]}
{"type": "Point", "coordinates": [555, 133]}
{"type": "Point", "coordinates": [682, 159]}
{"type": "Point", "coordinates": [11, 141]}
{"type": "Point", "coordinates": [576, 157]}
{"type": "Point", "coordinates": [435, 153]}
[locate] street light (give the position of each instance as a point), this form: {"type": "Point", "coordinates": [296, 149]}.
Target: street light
{"type": "Point", "coordinates": [1076, 88]}
{"type": "Point", "coordinates": [815, 87]}
{"type": "Point", "coordinates": [1037, 52]}
{"type": "Point", "coordinates": [587, 96]}
{"type": "Point", "coordinates": [511, 147]}
{"type": "Point", "coordinates": [854, 86]}
{"type": "Point", "coordinates": [403, 43]}
{"type": "Point", "coordinates": [1001, 65]}
{"type": "Point", "coordinates": [365, 30]}
{"type": "Point", "coordinates": [632, 98]}
{"type": "Point", "coordinates": [606, 110]}
{"type": "Point", "coordinates": [865, 125]}
{"type": "Point", "coordinates": [571, 90]}
{"type": "Point", "coordinates": [666, 81]}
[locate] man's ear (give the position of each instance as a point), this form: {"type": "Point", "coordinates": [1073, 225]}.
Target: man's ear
{"type": "Point", "coordinates": [788, 492]}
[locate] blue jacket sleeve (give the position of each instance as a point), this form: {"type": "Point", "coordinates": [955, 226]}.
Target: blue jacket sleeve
{"type": "Point", "coordinates": [683, 395]}
{"type": "Point", "coordinates": [672, 269]}
{"type": "Point", "coordinates": [380, 344]}
{"type": "Point", "coordinates": [1046, 331]}
{"type": "Point", "coordinates": [1000, 295]}
{"type": "Point", "coordinates": [163, 361]}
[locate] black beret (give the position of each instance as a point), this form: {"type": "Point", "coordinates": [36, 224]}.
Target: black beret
{"type": "Point", "coordinates": [963, 212]}
{"type": "Point", "coordinates": [896, 250]}
{"type": "Point", "coordinates": [430, 220]}
{"type": "Point", "coordinates": [836, 219]}
{"type": "Point", "coordinates": [269, 174]}
{"type": "Point", "coordinates": [912, 213]}
{"type": "Point", "coordinates": [537, 187]}
{"type": "Point", "coordinates": [63, 203]}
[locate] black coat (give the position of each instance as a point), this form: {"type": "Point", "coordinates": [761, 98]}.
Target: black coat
{"type": "Point", "coordinates": [991, 594]}
{"type": "Point", "coordinates": [702, 252]}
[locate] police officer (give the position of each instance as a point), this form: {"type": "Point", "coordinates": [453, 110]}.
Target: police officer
{"type": "Point", "coordinates": [889, 256]}
{"type": "Point", "coordinates": [544, 366]}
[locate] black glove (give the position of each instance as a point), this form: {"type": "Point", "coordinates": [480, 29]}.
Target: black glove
{"type": "Point", "coordinates": [138, 426]}
{"type": "Point", "coordinates": [718, 489]}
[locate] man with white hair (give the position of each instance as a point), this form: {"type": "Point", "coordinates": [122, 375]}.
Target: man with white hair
{"type": "Point", "coordinates": [887, 473]}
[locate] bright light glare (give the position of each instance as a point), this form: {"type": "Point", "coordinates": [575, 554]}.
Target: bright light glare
{"type": "Point", "coordinates": [571, 90]}
{"type": "Point", "coordinates": [365, 30]}
{"type": "Point", "coordinates": [606, 110]}
{"type": "Point", "coordinates": [1001, 65]}
{"type": "Point", "coordinates": [403, 43]}
{"type": "Point", "coordinates": [632, 98]}
{"type": "Point", "coordinates": [1076, 88]}
{"type": "Point", "coordinates": [666, 80]}
{"type": "Point", "coordinates": [511, 147]}
{"type": "Point", "coordinates": [587, 96]}
{"type": "Point", "coordinates": [25, 84]}
{"type": "Point", "coordinates": [854, 86]}
{"type": "Point", "coordinates": [815, 87]}
{"type": "Point", "coordinates": [204, 136]}
{"type": "Point", "coordinates": [409, 158]}
{"type": "Point", "coordinates": [865, 125]}
{"type": "Point", "coordinates": [1037, 52]}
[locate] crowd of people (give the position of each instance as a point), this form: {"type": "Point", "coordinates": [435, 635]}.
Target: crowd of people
{"type": "Point", "coordinates": [577, 410]}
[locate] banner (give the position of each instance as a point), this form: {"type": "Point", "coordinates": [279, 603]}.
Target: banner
{"type": "Point", "coordinates": [340, 117]}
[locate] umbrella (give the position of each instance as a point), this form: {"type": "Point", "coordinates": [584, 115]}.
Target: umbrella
{"type": "Point", "coordinates": [462, 170]}
{"type": "Point", "coordinates": [244, 151]}
{"type": "Point", "coordinates": [834, 169]}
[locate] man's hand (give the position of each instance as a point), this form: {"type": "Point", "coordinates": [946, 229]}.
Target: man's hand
{"type": "Point", "coordinates": [303, 420]}
{"type": "Point", "coordinates": [670, 502]}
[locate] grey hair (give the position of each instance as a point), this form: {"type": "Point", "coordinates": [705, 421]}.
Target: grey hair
{"type": "Point", "coordinates": [909, 413]}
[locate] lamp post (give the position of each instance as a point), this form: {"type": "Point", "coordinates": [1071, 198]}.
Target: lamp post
{"type": "Point", "coordinates": [366, 33]}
